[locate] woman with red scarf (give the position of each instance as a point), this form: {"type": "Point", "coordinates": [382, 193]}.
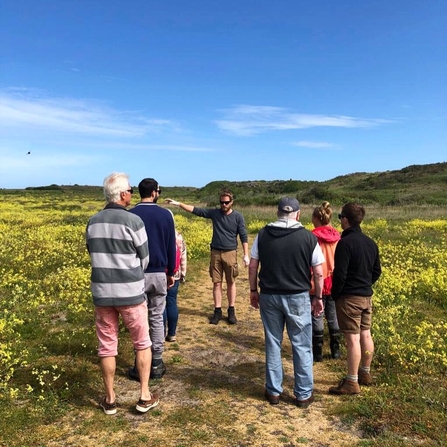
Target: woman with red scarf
{"type": "Point", "coordinates": [327, 238]}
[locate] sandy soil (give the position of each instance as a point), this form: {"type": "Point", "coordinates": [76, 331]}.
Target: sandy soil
{"type": "Point", "coordinates": [216, 373]}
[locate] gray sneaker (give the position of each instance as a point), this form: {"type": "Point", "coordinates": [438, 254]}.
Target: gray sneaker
{"type": "Point", "coordinates": [157, 372]}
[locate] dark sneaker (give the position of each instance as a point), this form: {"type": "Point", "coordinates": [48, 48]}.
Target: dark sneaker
{"type": "Point", "coordinates": [346, 387]}
{"type": "Point", "coordinates": [232, 316]}
{"type": "Point", "coordinates": [217, 316]}
{"type": "Point", "coordinates": [171, 338]}
{"type": "Point", "coordinates": [108, 408]}
{"type": "Point", "coordinates": [157, 372]}
{"type": "Point", "coordinates": [133, 374]}
{"type": "Point", "coordinates": [365, 378]}
{"type": "Point", "coordinates": [145, 405]}
{"type": "Point", "coordinates": [306, 402]}
{"type": "Point", "coordinates": [272, 398]}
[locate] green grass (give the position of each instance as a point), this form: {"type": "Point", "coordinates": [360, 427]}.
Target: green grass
{"type": "Point", "coordinates": [405, 407]}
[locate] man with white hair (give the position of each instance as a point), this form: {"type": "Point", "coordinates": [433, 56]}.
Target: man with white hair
{"type": "Point", "coordinates": [287, 253]}
{"type": "Point", "coordinates": [117, 245]}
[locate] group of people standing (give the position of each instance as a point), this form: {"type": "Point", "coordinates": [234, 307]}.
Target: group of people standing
{"type": "Point", "coordinates": [302, 275]}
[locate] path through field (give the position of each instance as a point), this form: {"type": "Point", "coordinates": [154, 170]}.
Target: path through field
{"type": "Point", "coordinates": [212, 393]}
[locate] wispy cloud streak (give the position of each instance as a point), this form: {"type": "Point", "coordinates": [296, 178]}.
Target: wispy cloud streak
{"type": "Point", "coordinates": [313, 144]}
{"type": "Point", "coordinates": [66, 115]}
{"type": "Point", "coordinates": [246, 120]}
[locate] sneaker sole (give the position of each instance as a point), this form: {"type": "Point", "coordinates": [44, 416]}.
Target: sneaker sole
{"type": "Point", "coordinates": [108, 411]}
{"type": "Point", "coordinates": [146, 408]}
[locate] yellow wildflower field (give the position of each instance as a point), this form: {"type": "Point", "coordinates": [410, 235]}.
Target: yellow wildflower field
{"type": "Point", "coordinates": [45, 275]}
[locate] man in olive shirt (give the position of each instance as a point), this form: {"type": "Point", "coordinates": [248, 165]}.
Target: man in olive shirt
{"type": "Point", "coordinates": [227, 225]}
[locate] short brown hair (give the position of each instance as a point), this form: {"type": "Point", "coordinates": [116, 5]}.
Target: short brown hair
{"type": "Point", "coordinates": [226, 192]}
{"type": "Point", "coordinates": [354, 213]}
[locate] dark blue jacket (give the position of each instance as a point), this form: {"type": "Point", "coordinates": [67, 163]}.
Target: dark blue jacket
{"type": "Point", "coordinates": [160, 229]}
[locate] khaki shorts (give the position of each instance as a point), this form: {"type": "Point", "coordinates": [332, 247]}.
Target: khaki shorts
{"type": "Point", "coordinates": [223, 261]}
{"type": "Point", "coordinates": [354, 313]}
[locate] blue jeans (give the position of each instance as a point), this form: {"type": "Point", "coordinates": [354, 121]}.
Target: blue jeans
{"type": "Point", "coordinates": [170, 315]}
{"type": "Point", "coordinates": [294, 312]}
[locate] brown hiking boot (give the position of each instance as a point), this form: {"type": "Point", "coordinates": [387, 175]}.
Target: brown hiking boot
{"type": "Point", "coordinates": [365, 378]}
{"type": "Point", "coordinates": [345, 387]}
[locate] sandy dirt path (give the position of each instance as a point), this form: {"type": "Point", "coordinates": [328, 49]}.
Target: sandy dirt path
{"type": "Point", "coordinates": [212, 393]}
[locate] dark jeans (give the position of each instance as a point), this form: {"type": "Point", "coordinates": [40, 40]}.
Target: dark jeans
{"type": "Point", "coordinates": [170, 315]}
{"type": "Point", "coordinates": [331, 317]}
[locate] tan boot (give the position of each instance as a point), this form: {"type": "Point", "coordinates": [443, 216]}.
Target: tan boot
{"type": "Point", "coordinates": [345, 386]}
{"type": "Point", "coordinates": [364, 378]}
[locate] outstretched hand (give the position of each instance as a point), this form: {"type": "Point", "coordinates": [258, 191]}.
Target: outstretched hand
{"type": "Point", "coordinates": [172, 202]}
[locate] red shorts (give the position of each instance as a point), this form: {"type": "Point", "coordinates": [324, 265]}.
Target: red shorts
{"type": "Point", "coordinates": [107, 327]}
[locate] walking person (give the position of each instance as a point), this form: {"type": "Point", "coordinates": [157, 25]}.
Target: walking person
{"type": "Point", "coordinates": [327, 238]}
{"type": "Point", "coordinates": [228, 224]}
{"type": "Point", "coordinates": [117, 245]}
{"type": "Point", "coordinates": [287, 253]}
{"type": "Point", "coordinates": [170, 316]}
{"type": "Point", "coordinates": [159, 274]}
{"type": "Point", "coordinates": [357, 268]}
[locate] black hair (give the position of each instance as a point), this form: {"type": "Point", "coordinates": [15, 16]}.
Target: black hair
{"type": "Point", "coordinates": [146, 187]}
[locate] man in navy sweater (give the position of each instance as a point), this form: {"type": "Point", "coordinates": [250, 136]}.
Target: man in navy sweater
{"type": "Point", "coordinates": [356, 269]}
{"type": "Point", "coordinates": [159, 275]}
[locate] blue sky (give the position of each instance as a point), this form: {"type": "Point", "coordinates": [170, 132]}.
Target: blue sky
{"type": "Point", "coordinates": [189, 92]}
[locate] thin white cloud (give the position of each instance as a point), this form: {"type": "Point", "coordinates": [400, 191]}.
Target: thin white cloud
{"type": "Point", "coordinates": [20, 110]}
{"type": "Point", "coordinates": [313, 144]}
{"type": "Point", "coordinates": [126, 145]}
{"type": "Point", "coordinates": [33, 162]}
{"type": "Point", "coordinates": [251, 120]}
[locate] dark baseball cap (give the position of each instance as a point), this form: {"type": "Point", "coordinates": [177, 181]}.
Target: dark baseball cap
{"type": "Point", "coordinates": [288, 205]}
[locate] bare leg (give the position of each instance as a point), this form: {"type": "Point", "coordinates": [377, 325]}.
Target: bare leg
{"type": "Point", "coordinates": [231, 293]}
{"type": "Point", "coordinates": [367, 348]}
{"type": "Point", "coordinates": [108, 366]}
{"type": "Point", "coordinates": [217, 294]}
{"type": "Point", "coordinates": [144, 360]}
{"type": "Point", "coordinates": [353, 353]}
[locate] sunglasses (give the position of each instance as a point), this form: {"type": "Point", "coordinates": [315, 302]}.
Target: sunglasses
{"type": "Point", "coordinates": [225, 202]}
{"type": "Point", "coordinates": [340, 216]}
{"type": "Point", "coordinates": [158, 190]}
{"type": "Point", "coordinates": [130, 190]}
